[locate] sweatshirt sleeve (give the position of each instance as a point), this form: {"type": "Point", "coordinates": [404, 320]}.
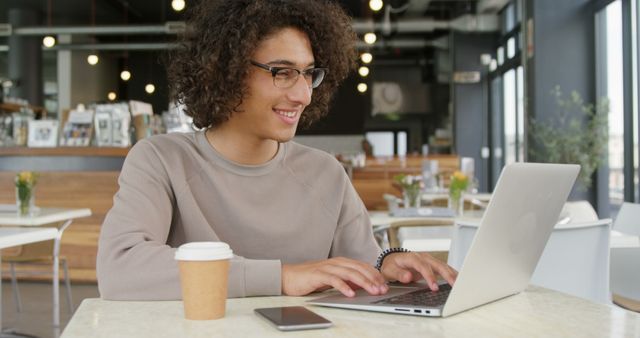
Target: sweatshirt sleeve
{"type": "Point", "coordinates": [354, 235]}
{"type": "Point", "coordinates": [135, 262]}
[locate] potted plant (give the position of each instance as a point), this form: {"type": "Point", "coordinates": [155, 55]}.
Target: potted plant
{"type": "Point", "coordinates": [577, 134]}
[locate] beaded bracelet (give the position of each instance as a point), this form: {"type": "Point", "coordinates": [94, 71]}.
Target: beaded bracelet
{"type": "Point", "coordinates": [386, 253]}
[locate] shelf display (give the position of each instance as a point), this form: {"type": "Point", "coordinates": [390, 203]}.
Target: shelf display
{"type": "Point", "coordinates": [43, 133]}
{"type": "Point", "coordinates": [78, 128]}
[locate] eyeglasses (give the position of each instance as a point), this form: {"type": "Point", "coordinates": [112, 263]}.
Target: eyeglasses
{"type": "Point", "coordinates": [286, 77]}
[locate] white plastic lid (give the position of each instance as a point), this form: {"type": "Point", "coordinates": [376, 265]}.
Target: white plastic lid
{"type": "Point", "coordinates": [203, 251]}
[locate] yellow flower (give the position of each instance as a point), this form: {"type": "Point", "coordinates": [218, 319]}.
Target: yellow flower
{"type": "Point", "coordinates": [459, 182]}
{"type": "Point", "coordinates": [459, 176]}
{"type": "Point", "coordinates": [26, 178]}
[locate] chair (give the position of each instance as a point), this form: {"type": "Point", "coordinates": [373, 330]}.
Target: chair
{"type": "Point", "coordinates": [575, 259]}
{"type": "Point", "coordinates": [625, 266]}
{"type": "Point", "coordinates": [399, 234]}
{"type": "Point", "coordinates": [36, 254]}
{"type": "Point", "coordinates": [578, 212]}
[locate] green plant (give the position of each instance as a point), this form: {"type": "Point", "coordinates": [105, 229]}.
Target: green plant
{"type": "Point", "coordinates": [577, 134]}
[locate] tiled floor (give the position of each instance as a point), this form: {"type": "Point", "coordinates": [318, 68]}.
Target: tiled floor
{"type": "Point", "coordinates": [37, 314]}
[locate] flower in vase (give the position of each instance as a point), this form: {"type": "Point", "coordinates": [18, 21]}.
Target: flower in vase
{"type": "Point", "coordinates": [25, 184]}
{"type": "Point", "coordinates": [459, 183]}
{"type": "Point", "coordinates": [411, 188]}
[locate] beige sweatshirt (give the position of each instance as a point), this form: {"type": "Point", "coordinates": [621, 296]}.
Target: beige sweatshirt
{"type": "Point", "coordinates": [176, 188]}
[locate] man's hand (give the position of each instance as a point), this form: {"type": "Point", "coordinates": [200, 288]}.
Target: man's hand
{"type": "Point", "coordinates": [407, 267]}
{"type": "Point", "coordinates": [343, 274]}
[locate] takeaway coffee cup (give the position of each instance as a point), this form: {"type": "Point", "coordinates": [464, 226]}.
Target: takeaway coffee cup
{"type": "Point", "coordinates": [204, 271]}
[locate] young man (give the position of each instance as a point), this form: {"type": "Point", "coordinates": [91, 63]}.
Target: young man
{"type": "Point", "coordinates": [249, 73]}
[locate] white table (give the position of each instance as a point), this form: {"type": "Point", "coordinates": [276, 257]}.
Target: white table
{"type": "Point", "coordinates": [439, 238]}
{"type": "Point", "coordinates": [536, 312]}
{"type": "Point", "coordinates": [433, 238]}
{"type": "Point", "coordinates": [480, 197]}
{"type": "Point", "coordinates": [10, 237]}
{"type": "Point", "coordinates": [47, 216]}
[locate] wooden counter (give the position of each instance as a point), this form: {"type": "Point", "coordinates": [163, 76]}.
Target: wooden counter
{"type": "Point", "coordinates": [65, 151]}
{"type": "Point", "coordinates": [376, 178]}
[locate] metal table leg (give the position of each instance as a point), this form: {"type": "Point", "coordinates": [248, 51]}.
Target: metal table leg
{"type": "Point", "coordinates": [8, 334]}
{"type": "Point", "coordinates": [56, 274]}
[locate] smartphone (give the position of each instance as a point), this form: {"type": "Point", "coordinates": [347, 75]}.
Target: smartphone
{"type": "Point", "coordinates": [292, 318]}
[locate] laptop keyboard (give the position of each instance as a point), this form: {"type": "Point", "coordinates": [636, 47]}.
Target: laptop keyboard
{"type": "Point", "coordinates": [422, 297]}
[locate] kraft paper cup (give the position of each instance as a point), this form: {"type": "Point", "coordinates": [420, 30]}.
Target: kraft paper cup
{"type": "Point", "coordinates": [204, 272]}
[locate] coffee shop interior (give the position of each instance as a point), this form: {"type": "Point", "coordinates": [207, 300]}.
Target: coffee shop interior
{"type": "Point", "coordinates": [445, 94]}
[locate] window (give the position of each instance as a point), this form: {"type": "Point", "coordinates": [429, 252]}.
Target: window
{"type": "Point", "coordinates": [388, 143]}
{"type": "Point", "coordinates": [506, 98]}
{"type": "Point", "coordinates": [402, 143]}
{"type": "Point", "coordinates": [509, 97]}
{"type": "Point", "coordinates": [610, 85]}
{"type": "Point", "coordinates": [635, 51]}
{"type": "Point", "coordinates": [511, 48]}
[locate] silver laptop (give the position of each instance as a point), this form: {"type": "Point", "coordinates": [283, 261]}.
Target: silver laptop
{"type": "Point", "coordinates": [513, 232]}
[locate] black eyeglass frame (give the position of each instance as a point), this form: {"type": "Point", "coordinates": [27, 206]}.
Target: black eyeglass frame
{"type": "Point", "coordinates": [274, 71]}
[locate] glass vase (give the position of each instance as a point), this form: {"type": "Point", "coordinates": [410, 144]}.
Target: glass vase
{"type": "Point", "coordinates": [456, 202]}
{"type": "Point", "coordinates": [411, 198]}
{"type": "Point", "coordinates": [25, 200]}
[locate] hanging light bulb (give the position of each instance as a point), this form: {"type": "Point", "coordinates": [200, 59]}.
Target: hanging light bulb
{"type": "Point", "coordinates": [49, 41]}
{"type": "Point", "coordinates": [93, 59]}
{"type": "Point", "coordinates": [366, 57]}
{"type": "Point", "coordinates": [362, 87]}
{"type": "Point", "coordinates": [177, 5]}
{"type": "Point", "coordinates": [111, 96]}
{"type": "Point", "coordinates": [149, 88]}
{"type": "Point", "coordinates": [125, 75]}
{"type": "Point", "coordinates": [370, 38]}
{"type": "Point", "coordinates": [363, 71]}
{"type": "Point", "coordinates": [375, 5]}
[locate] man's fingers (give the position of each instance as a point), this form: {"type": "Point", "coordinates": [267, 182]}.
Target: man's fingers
{"type": "Point", "coordinates": [448, 273]}
{"type": "Point", "coordinates": [340, 285]}
{"type": "Point", "coordinates": [369, 271]}
{"type": "Point", "coordinates": [424, 268]}
{"type": "Point", "coordinates": [355, 276]}
{"type": "Point", "coordinates": [396, 272]}
{"type": "Point", "coordinates": [414, 261]}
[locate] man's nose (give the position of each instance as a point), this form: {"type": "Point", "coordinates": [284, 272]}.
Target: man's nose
{"type": "Point", "coordinates": [301, 91]}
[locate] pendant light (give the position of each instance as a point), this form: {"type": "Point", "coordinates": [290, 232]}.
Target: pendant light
{"type": "Point", "coordinates": [93, 58]}
{"type": "Point", "coordinates": [49, 41]}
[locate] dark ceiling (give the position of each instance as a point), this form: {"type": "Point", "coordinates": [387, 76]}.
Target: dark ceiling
{"type": "Point", "coordinates": [77, 12]}
{"type": "Point", "coordinates": [117, 12]}
{"type": "Point", "coordinates": [153, 12]}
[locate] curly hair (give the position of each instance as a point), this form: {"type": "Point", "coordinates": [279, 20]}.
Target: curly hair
{"type": "Point", "coordinates": [208, 73]}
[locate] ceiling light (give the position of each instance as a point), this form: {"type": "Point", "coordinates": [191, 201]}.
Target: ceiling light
{"type": "Point", "coordinates": [370, 38]}
{"type": "Point", "coordinates": [362, 87]}
{"type": "Point", "coordinates": [149, 88]}
{"type": "Point", "coordinates": [363, 71]}
{"type": "Point", "coordinates": [125, 75]}
{"type": "Point", "coordinates": [111, 96]}
{"type": "Point", "coordinates": [93, 59]}
{"type": "Point", "coordinates": [49, 41]}
{"type": "Point", "coordinates": [177, 5]}
{"type": "Point", "coordinates": [375, 5]}
{"type": "Point", "coordinates": [366, 57]}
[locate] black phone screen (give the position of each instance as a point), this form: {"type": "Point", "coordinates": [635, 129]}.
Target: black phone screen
{"type": "Point", "coordinates": [291, 316]}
